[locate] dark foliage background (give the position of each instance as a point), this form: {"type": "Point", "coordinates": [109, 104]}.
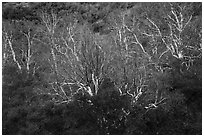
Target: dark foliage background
{"type": "Point", "coordinates": [29, 107]}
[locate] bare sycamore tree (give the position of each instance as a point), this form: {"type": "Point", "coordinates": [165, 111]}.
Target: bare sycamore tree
{"type": "Point", "coordinates": [129, 70]}
{"type": "Point", "coordinates": [178, 20]}
{"type": "Point", "coordinates": [173, 42]}
{"type": "Point", "coordinates": [22, 53]}
{"type": "Point", "coordinates": [78, 57]}
{"type": "Point", "coordinates": [28, 55]}
{"type": "Point", "coordinates": [143, 50]}
{"type": "Point", "coordinates": [48, 30]}
{"type": "Point", "coordinates": [8, 47]}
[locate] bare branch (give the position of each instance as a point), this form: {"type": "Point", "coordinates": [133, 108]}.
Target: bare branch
{"type": "Point", "coordinates": [9, 41]}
